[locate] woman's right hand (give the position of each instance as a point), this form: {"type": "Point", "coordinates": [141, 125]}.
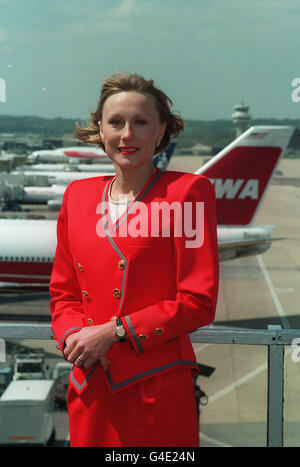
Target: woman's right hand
{"type": "Point", "coordinates": [90, 344]}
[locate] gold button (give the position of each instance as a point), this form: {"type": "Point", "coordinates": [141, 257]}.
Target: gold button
{"type": "Point", "coordinates": [121, 264]}
{"type": "Point", "coordinates": [80, 267]}
{"type": "Point", "coordinates": [142, 337]}
{"type": "Point", "coordinates": [159, 331]}
{"type": "Point", "coordinates": [85, 293]}
{"type": "Point", "coordinates": [90, 321]}
{"type": "Point", "coordinates": [113, 318]}
{"type": "Point", "coordinates": [117, 293]}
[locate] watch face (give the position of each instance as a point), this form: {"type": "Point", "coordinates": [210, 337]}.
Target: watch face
{"type": "Point", "coordinates": [120, 331]}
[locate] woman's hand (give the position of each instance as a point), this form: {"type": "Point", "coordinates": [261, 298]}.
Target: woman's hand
{"type": "Point", "coordinates": [90, 344]}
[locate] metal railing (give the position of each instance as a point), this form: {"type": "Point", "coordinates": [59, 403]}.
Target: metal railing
{"type": "Point", "coordinates": [275, 338]}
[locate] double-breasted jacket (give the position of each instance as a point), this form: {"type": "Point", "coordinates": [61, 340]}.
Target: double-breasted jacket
{"type": "Point", "coordinates": [141, 268]}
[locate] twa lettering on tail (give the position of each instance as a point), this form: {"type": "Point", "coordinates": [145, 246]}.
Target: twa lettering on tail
{"type": "Point", "coordinates": [241, 173]}
{"type": "Point", "coordinates": [230, 188]}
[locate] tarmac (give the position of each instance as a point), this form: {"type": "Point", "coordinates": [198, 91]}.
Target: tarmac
{"type": "Point", "coordinates": [254, 292]}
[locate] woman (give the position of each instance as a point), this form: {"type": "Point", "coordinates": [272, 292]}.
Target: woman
{"type": "Point", "coordinates": [128, 285]}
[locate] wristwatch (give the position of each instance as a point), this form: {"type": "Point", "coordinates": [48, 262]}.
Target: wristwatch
{"type": "Point", "coordinates": [120, 331]}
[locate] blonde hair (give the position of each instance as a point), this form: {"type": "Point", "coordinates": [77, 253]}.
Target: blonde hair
{"type": "Point", "coordinates": [121, 82]}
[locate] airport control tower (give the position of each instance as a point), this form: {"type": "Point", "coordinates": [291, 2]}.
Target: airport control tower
{"type": "Point", "coordinates": [2, 90]}
{"type": "Point", "coordinates": [241, 118]}
{"type": "Point", "coordinates": [2, 95]}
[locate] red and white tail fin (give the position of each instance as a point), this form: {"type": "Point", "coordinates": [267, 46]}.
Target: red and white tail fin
{"type": "Point", "coordinates": [242, 172]}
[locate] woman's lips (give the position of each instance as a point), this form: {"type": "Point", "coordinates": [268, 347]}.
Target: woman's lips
{"type": "Point", "coordinates": [128, 150]}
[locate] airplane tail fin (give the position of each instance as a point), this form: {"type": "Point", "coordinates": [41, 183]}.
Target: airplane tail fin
{"type": "Point", "coordinates": [242, 171]}
{"type": "Point", "coordinates": [162, 159]}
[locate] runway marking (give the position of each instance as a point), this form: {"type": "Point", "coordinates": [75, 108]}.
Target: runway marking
{"type": "Point", "coordinates": [272, 290]}
{"type": "Point", "coordinates": [237, 383]}
{"type": "Point", "coordinates": [202, 347]}
{"type": "Point", "coordinates": [213, 441]}
{"type": "Point", "coordinates": [264, 366]}
{"type": "Point", "coordinates": [285, 323]}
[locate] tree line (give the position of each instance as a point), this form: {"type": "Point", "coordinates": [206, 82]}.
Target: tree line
{"type": "Point", "coordinates": [208, 132]}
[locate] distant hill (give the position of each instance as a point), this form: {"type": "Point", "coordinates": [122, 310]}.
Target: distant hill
{"type": "Point", "coordinates": [210, 133]}
{"type": "Point", "coordinates": [222, 132]}
{"type": "Point", "coordinates": [44, 127]}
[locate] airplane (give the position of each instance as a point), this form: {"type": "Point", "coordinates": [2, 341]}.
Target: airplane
{"type": "Point", "coordinates": [241, 174]}
{"type": "Point", "coordinates": [60, 178]}
{"type": "Point", "coordinates": [53, 195]}
{"type": "Point", "coordinates": [76, 154]}
{"type": "Point", "coordinates": [61, 167]}
{"type": "Point", "coordinates": [70, 154]}
{"type": "Point", "coordinates": [65, 177]}
{"type": "Point", "coordinates": [160, 160]}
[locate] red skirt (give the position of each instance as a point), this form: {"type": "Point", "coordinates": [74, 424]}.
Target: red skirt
{"type": "Point", "coordinates": [157, 412]}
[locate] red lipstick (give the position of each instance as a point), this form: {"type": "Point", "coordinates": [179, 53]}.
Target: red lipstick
{"type": "Point", "coordinates": [126, 150]}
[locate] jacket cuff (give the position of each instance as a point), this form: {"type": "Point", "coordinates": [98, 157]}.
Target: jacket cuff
{"type": "Point", "coordinates": [135, 340]}
{"type": "Point", "coordinates": [70, 331]}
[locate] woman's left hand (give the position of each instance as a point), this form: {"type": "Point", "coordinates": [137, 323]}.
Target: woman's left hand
{"type": "Point", "coordinates": [90, 344]}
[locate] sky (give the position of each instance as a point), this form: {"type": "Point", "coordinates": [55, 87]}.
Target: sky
{"type": "Point", "coordinates": [207, 55]}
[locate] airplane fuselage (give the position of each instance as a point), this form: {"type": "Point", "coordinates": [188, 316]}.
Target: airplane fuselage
{"type": "Point", "coordinates": [27, 247]}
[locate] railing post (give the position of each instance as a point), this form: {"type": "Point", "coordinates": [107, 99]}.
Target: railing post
{"type": "Point", "coordinates": [275, 390]}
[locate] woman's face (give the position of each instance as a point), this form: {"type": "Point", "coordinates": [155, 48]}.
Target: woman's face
{"type": "Point", "coordinates": [130, 129]}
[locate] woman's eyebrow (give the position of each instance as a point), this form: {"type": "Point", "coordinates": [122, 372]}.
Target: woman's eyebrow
{"type": "Point", "coordinates": [138, 115]}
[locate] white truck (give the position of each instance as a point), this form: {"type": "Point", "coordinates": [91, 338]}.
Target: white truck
{"type": "Point", "coordinates": [29, 366]}
{"type": "Point", "coordinates": [27, 413]}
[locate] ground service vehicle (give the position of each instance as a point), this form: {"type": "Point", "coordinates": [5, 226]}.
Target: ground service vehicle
{"type": "Point", "coordinates": [29, 366]}
{"type": "Point", "coordinates": [27, 413]}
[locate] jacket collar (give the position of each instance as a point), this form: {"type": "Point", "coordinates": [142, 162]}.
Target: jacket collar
{"type": "Point", "coordinates": [145, 190]}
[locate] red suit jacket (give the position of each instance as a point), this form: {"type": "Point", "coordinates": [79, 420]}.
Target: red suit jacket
{"type": "Point", "coordinates": [161, 288]}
